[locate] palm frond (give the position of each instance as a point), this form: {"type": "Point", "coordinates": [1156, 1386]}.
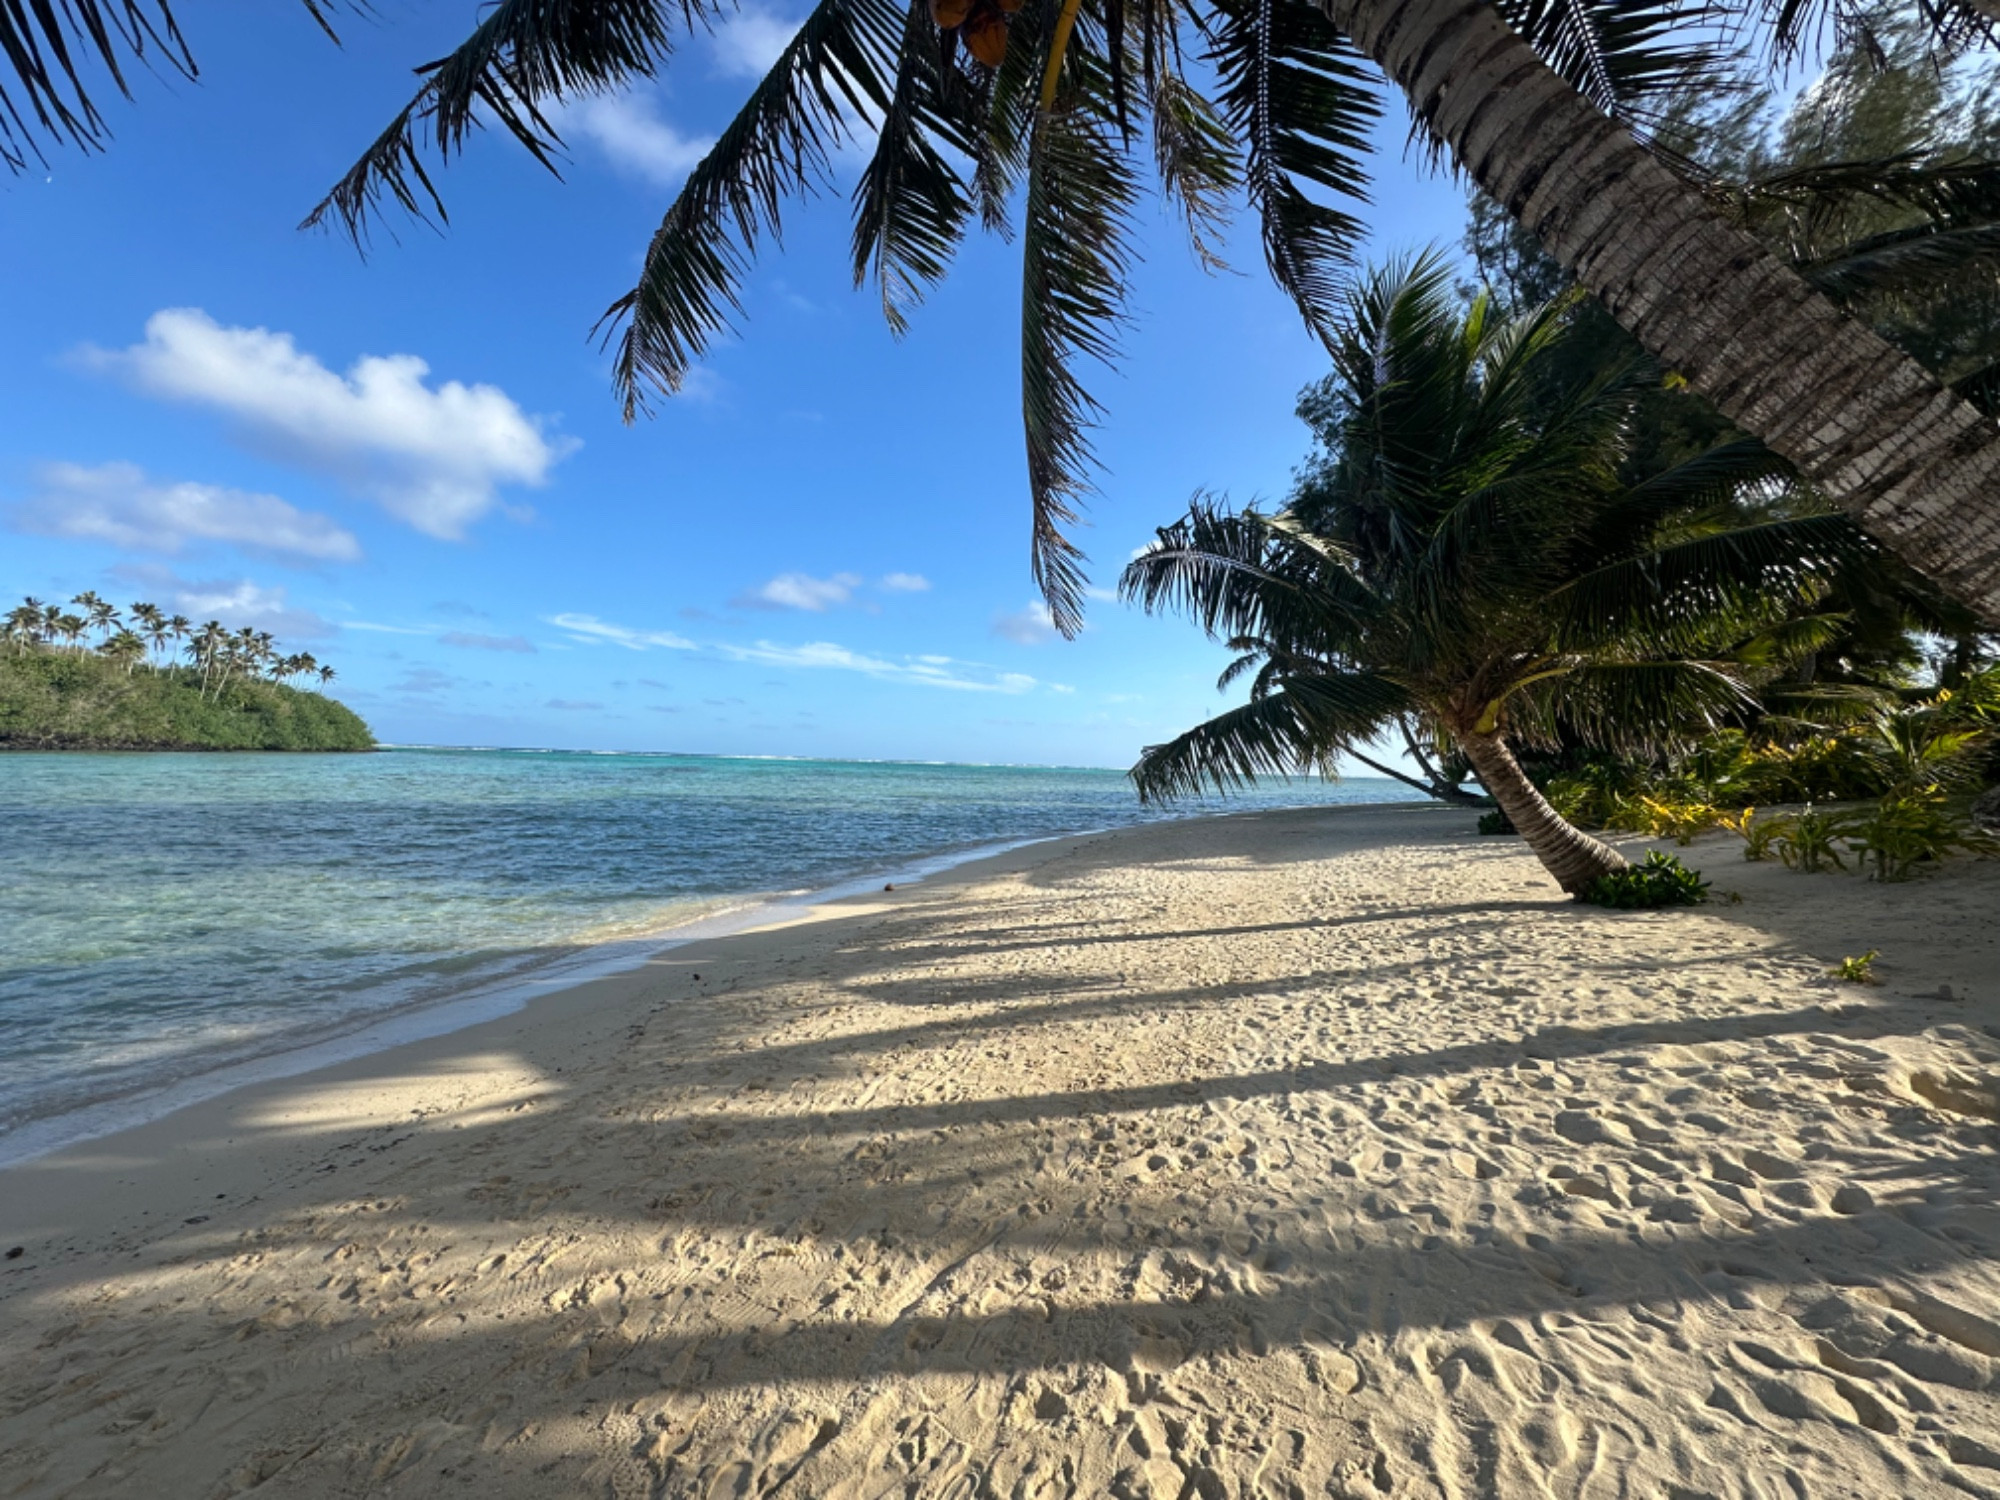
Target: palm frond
{"type": "Point", "coordinates": [1300, 727]}
{"type": "Point", "coordinates": [51, 46]}
{"type": "Point", "coordinates": [832, 77]}
{"type": "Point", "coordinates": [1304, 103]}
{"type": "Point", "coordinates": [1945, 190]}
{"type": "Point", "coordinates": [1920, 258]}
{"type": "Point", "coordinates": [1717, 477]}
{"type": "Point", "coordinates": [524, 57]}
{"type": "Point", "coordinates": [1197, 159]}
{"type": "Point", "coordinates": [1687, 595]}
{"type": "Point", "coordinates": [1076, 250]}
{"type": "Point", "coordinates": [1242, 575]}
{"type": "Point", "coordinates": [911, 206]}
{"type": "Point", "coordinates": [1619, 54]}
{"type": "Point", "coordinates": [1636, 707]}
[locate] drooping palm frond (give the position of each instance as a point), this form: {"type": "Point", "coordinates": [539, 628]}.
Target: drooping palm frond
{"type": "Point", "coordinates": [832, 77]}
{"type": "Point", "coordinates": [911, 206]}
{"type": "Point", "coordinates": [1197, 160]}
{"type": "Point", "coordinates": [1796, 28]}
{"type": "Point", "coordinates": [50, 47]}
{"type": "Point", "coordinates": [1299, 728]}
{"type": "Point", "coordinates": [1240, 575]}
{"type": "Point", "coordinates": [1714, 478]}
{"type": "Point", "coordinates": [1303, 103]}
{"type": "Point", "coordinates": [1635, 707]}
{"type": "Point", "coordinates": [1948, 190]}
{"type": "Point", "coordinates": [524, 58]}
{"type": "Point", "coordinates": [1695, 593]}
{"type": "Point", "coordinates": [1920, 258]}
{"type": "Point", "coordinates": [1075, 253]}
{"type": "Point", "coordinates": [1622, 55]}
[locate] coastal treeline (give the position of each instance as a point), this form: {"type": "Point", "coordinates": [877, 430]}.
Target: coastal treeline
{"type": "Point", "coordinates": [1527, 556]}
{"type": "Point", "coordinates": [88, 676]}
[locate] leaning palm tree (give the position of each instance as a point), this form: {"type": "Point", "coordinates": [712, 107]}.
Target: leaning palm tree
{"type": "Point", "coordinates": [1052, 103]}
{"type": "Point", "coordinates": [1464, 553]}
{"type": "Point", "coordinates": [326, 676]}
{"type": "Point", "coordinates": [974, 103]}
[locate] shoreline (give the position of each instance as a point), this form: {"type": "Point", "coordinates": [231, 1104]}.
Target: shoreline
{"type": "Point", "coordinates": [1329, 1151]}
{"type": "Point", "coordinates": [574, 966]}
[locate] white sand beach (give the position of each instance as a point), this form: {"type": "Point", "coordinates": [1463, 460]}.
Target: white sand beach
{"type": "Point", "coordinates": [1284, 1154]}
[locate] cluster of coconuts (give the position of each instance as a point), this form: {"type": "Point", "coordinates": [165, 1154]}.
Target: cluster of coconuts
{"type": "Point", "coordinates": [980, 24]}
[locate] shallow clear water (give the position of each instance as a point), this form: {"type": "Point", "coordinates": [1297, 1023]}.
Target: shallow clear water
{"type": "Point", "coordinates": [164, 915]}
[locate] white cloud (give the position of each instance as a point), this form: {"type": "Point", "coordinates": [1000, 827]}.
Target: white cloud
{"type": "Point", "coordinates": [234, 601]}
{"type": "Point", "coordinates": [802, 591]}
{"type": "Point", "coordinates": [1104, 596]}
{"type": "Point", "coordinates": [370, 625]}
{"type": "Point", "coordinates": [119, 504]}
{"type": "Point", "coordinates": [589, 630]}
{"type": "Point", "coordinates": [432, 456]}
{"type": "Point", "coordinates": [906, 583]}
{"type": "Point", "coordinates": [924, 671]}
{"type": "Point", "coordinates": [1029, 625]}
{"type": "Point", "coordinates": [575, 705]}
{"type": "Point", "coordinates": [629, 131]}
{"type": "Point", "coordinates": [747, 43]}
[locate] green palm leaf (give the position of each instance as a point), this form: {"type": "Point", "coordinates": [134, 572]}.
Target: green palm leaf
{"type": "Point", "coordinates": [522, 57]}
{"type": "Point", "coordinates": [1075, 253]}
{"type": "Point", "coordinates": [911, 206]}
{"type": "Point", "coordinates": [833, 76]}
{"type": "Point", "coordinates": [1301, 727]}
{"type": "Point", "coordinates": [50, 45]}
{"type": "Point", "coordinates": [1303, 103]}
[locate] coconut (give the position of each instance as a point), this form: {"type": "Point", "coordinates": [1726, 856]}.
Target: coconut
{"type": "Point", "coordinates": [950, 13]}
{"type": "Point", "coordinates": [986, 37]}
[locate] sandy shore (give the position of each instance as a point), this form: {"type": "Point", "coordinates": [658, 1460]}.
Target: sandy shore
{"type": "Point", "coordinates": [1299, 1154]}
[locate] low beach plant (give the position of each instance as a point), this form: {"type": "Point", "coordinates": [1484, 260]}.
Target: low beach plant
{"type": "Point", "coordinates": [1912, 830]}
{"type": "Point", "coordinates": [1661, 881]}
{"type": "Point", "coordinates": [1859, 970]}
{"type": "Point", "coordinates": [1495, 822]}
{"type": "Point", "coordinates": [1811, 840]}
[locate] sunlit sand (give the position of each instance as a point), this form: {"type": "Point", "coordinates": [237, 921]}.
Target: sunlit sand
{"type": "Point", "coordinates": [1287, 1154]}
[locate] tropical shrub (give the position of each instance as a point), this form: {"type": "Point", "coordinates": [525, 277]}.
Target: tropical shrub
{"type": "Point", "coordinates": [1466, 550]}
{"type": "Point", "coordinates": [1661, 881]}
{"type": "Point", "coordinates": [1496, 821]}
{"type": "Point", "coordinates": [1811, 840]}
{"type": "Point", "coordinates": [1906, 830]}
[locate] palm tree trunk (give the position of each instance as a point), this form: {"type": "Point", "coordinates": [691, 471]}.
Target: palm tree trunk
{"type": "Point", "coordinates": [1572, 856]}
{"type": "Point", "coordinates": [1916, 466]}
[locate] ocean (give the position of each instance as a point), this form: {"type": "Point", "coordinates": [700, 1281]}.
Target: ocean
{"type": "Point", "coordinates": [170, 924]}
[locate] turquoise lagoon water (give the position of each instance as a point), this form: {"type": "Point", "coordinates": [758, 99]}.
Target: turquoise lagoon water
{"type": "Point", "coordinates": [170, 918]}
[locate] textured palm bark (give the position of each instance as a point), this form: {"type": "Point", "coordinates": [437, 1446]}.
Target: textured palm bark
{"type": "Point", "coordinates": [1916, 466]}
{"type": "Point", "coordinates": [1572, 856]}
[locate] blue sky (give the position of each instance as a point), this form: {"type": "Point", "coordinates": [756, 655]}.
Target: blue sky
{"type": "Point", "coordinates": [412, 465]}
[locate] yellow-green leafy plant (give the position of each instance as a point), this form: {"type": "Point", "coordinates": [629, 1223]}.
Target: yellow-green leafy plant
{"type": "Point", "coordinates": [1811, 840]}
{"type": "Point", "coordinates": [1906, 831]}
{"type": "Point", "coordinates": [1857, 970]}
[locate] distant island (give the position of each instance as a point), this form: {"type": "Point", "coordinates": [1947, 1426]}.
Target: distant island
{"type": "Point", "coordinates": [234, 691]}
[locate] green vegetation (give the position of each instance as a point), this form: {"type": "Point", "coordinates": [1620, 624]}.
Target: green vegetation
{"type": "Point", "coordinates": [56, 693]}
{"type": "Point", "coordinates": [1661, 881]}
{"type": "Point", "coordinates": [1859, 970]}
{"type": "Point", "coordinates": [1465, 557]}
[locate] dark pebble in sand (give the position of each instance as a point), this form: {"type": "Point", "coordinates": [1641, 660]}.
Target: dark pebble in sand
{"type": "Point", "coordinates": [17, 1252]}
{"type": "Point", "coordinates": [888, 887]}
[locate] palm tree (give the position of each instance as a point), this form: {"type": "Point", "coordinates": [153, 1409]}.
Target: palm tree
{"type": "Point", "coordinates": [1466, 554]}
{"type": "Point", "coordinates": [151, 623]}
{"type": "Point", "coordinates": [326, 676]}
{"type": "Point", "coordinates": [1541, 116]}
{"type": "Point", "coordinates": [1538, 104]}
{"type": "Point", "coordinates": [103, 617]}
{"type": "Point", "coordinates": [124, 646]}
{"type": "Point", "coordinates": [69, 628]}
{"type": "Point", "coordinates": [24, 625]}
